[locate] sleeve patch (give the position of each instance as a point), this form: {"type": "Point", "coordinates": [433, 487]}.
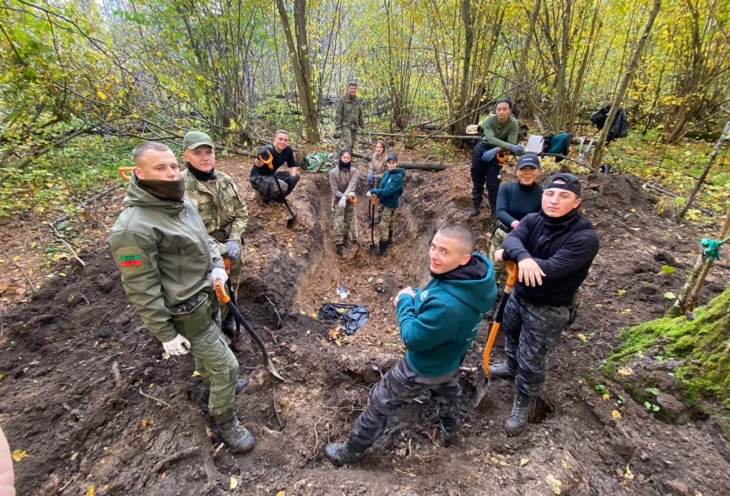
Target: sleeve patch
{"type": "Point", "coordinates": [130, 260]}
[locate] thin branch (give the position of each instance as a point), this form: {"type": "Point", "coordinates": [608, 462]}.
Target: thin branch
{"type": "Point", "coordinates": [32, 286]}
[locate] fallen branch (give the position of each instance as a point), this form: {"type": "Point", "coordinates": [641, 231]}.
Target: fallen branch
{"type": "Point", "coordinates": [560, 155]}
{"type": "Point", "coordinates": [674, 195]}
{"type": "Point", "coordinates": [117, 375]}
{"type": "Point", "coordinates": [27, 277]}
{"type": "Point", "coordinates": [153, 398]}
{"type": "Point", "coordinates": [90, 200]}
{"type": "Point", "coordinates": [66, 244]}
{"type": "Point", "coordinates": [279, 323]}
{"type": "Point", "coordinates": [175, 457]}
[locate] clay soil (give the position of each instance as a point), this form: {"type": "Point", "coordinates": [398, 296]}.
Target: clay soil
{"type": "Point", "coordinates": [88, 396]}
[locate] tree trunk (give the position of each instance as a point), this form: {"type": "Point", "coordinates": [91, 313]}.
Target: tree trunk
{"type": "Point", "coordinates": [598, 154]}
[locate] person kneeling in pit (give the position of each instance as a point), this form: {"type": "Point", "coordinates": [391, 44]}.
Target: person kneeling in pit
{"type": "Point", "coordinates": [389, 193]}
{"type": "Point", "coordinates": [343, 181]}
{"type": "Point", "coordinates": [265, 174]}
{"type": "Point", "coordinates": [437, 325]}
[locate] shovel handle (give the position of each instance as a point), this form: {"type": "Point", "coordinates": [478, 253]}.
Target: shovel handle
{"type": "Point", "coordinates": [373, 199]}
{"type": "Point", "coordinates": [227, 264]}
{"type": "Point", "coordinates": [502, 156]}
{"type": "Point", "coordinates": [268, 163]}
{"type": "Point", "coordinates": [221, 293]}
{"type": "Point", "coordinates": [126, 173]}
{"type": "Point", "coordinates": [511, 274]}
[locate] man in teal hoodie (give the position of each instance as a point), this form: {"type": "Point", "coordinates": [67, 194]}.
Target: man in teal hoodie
{"type": "Point", "coordinates": [437, 325]}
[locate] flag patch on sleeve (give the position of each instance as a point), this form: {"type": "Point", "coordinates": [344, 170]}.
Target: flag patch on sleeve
{"type": "Point", "coordinates": [130, 260]}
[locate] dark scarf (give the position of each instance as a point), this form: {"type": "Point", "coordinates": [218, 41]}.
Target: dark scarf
{"type": "Point", "coordinates": [200, 175]}
{"type": "Point", "coordinates": [556, 226]}
{"type": "Point", "coordinates": [343, 166]}
{"type": "Point", "coordinates": [163, 190]}
{"type": "Point", "coordinates": [473, 270]}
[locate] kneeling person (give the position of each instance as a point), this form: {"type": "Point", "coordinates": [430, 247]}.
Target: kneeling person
{"type": "Point", "coordinates": [437, 325]}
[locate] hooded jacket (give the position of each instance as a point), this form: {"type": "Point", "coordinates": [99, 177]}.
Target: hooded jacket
{"type": "Point", "coordinates": [165, 256]}
{"type": "Point", "coordinates": [439, 324]}
{"type": "Point", "coordinates": [390, 188]}
{"type": "Point", "coordinates": [563, 247]}
{"type": "Point", "coordinates": [343, 182]}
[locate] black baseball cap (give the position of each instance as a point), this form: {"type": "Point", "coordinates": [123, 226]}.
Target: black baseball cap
{"type": "Point", "coordinates": [528, 160]}
{"type": "Point", "coordinates": [392, 156]}
{"type": "Point", "coordinates": [567, 182]}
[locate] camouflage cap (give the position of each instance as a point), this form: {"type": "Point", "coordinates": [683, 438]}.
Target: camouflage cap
{"type": "Point", "coordinates": [352, 82]}
{"type": "Point", "coordinates": [194, 139]}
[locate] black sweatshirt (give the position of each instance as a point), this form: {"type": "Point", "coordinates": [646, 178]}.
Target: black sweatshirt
{"type": "Point", "coordinates": [285, 157]}
{"type": "Point", "coordinates": [563, 247]}
{"type": "Point", "coordinates": [514, 201]}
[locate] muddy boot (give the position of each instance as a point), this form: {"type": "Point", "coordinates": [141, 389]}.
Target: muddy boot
{"type": "Point", "coordinates": [475, 211]}
{"type": "Point", "coordinates": [346, 241]}
{"type": "Point", "coordinates": [241, 384]}
{"type": "Point", "coordinates": [344, 453]}
{"type": "Point", "coordinates": [340, 250]}
{"type": "Point", "coordinates": [383, 247]}
{"type": "Point", "coordinates": [506, 370]}
{"type": "Point", "coordinates": [449, 430]}
{"type": "Point", "coordinates": [517, 421]}
{"type": "Point", "coordinates": [236, 436]}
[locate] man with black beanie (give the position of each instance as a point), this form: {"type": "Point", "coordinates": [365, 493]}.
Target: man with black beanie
{"type": "Point", "coordinates": [553, 250]}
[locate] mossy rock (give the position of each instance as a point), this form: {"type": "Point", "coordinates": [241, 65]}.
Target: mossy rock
{"type": "Point", "coordinates": [692, 354]}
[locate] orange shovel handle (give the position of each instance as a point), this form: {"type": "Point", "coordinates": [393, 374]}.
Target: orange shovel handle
{"type": "Point", "coordinates": [511, 278]}
{"type": "Point", "coordinates": [126, 173]}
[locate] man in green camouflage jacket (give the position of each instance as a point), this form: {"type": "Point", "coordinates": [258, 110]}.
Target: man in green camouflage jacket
{"type": "Point", "coordinates": [220, 205]}
{"type": "Point", "coordinates": [348, 116]}
{"type": "Point", "coordinates": [169, 264]}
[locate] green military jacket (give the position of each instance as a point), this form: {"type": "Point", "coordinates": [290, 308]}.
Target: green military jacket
{"type": "Point", "coordinates": [496, 134]}
{"type": "Point", "coordinates": [165, 256]}
{"type": "Point", "coordinates": [349, 113]}
{"type": "Point", "coordinates": [221, 207]}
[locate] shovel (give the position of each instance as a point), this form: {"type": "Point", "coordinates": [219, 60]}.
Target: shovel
{"type": "Point", "coordinates": [483, 380]}
{"type": "Point", "coordinates": [269, 163]}
{"type": "Point", "coordinates": [371, 207]}
{"type": "Point", "coordinates": [223, 296]}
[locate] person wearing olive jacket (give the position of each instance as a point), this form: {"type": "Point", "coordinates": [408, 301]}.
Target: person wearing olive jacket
{"type": "Point", "coordinates": [221, 207]}
{"type": "Point", "coordinates": [348, 116]}
{"type": "Point", "coordinates": [168, 265]}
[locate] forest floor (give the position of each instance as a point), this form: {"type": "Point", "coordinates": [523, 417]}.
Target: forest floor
{"type": "Point", "coordinates": [88, 398]}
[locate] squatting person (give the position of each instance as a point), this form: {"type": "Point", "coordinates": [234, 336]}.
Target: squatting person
{"type": "Point", "coordinates": [265, 173]}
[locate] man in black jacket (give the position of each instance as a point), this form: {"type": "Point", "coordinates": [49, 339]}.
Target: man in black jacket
{"type": "Point", "coordinates": [553, 250]}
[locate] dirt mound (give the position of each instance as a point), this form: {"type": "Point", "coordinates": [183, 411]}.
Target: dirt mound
{"type": "Point", "coordinates": [87, 394]}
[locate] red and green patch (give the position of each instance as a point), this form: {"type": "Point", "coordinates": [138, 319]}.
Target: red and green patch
{"type": "Point", "coordinates": [130, 260]}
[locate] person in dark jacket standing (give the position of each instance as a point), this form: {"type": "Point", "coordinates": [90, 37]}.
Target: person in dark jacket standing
{"type": "Point", "coordinates": [437, 325]}
{"type": "Point", "coordinates": [348, 116]}
{"type": "Point", "coordinates": [500, 133]}
{"type": "Point", "coordinates": [389, 193]}
{"type": "Point", "coordinates": [553, 250]}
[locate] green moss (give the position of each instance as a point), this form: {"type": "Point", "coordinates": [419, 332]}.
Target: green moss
{"type": "Point", "coordinates": [702, 345]}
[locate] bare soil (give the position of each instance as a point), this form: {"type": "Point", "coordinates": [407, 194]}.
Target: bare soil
{"type": "Point", "coordinates": [87, 394]}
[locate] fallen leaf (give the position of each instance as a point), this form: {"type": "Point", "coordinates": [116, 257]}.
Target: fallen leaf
{"type": "Point", "coordinates": [616, 414]}
{"type": "Point", "coordinates": [553, 483]}
{"type": "Point", "coordinates": [313, 315]}
{"type": "Point", "coordinates": [165, 355]}
{"type": "Point", "coordinates": [621, 292]}
{"type": "Point", "coordinates": [2, 377]}
{"type": "Point", "coordinates": [196, 373]}
{"type": "Point", "coordinates": [582, 337]}
{"type": "Point", "coordinates": [524, 461]}
{"type": "Point", "coordinates": [337, 342]}
{"type": "Point", "coordinates": [144, 423]}
{"type": "Point", "coordinates": [19, 455]}
{"type": "Point", "coordinates": [669, 295]}
{"type": "Point", "coordinates": [90, 491]}
{"type": "Point", "coordinates": [281, 493]}
{"type": "Point", "coordinates": [302, 312]}
{"type": "Point", "coordinates": [625, 371]}
{"type": "Point", "coordinates": [605, 396]}
{"type": "Point", "coordinates": [564, 463]}
{"type": "Point", "coordinates": [628, 475]}
{"type": "Point", "coordinates": [234, 483]}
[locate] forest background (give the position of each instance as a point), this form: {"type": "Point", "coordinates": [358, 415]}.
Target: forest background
{"type": "Point", "coordinates": [81, 82]}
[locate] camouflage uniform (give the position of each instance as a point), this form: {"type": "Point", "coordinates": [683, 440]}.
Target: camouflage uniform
{"type": "Point", "coordinates": [497, 240]}
{"type": "Point", "coordinates": [386, 223]}
{"type": "Point", "coordinates": [225, 216]}
{"type": "Point", "coordinates": [348, 118]}
{"type": "Point", "coordinates": [342, 183]}
{"type": "Point", "coordinates": [166, 258]}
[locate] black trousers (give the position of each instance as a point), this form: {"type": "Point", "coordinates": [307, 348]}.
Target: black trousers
{"type": "Point", "coordinates": [482, 172]}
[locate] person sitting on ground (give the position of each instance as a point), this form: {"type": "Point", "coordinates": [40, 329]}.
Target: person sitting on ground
{"type": "Point", "coordinates": [377, 165]}
{"type": "Point", "coordinates": [514, 201]}
{"type": "Point", "coordinates": [553, 250]}
{"type": "Point", "coordinates": [389, 193]}
{"type": "Point", "coordinates": [221, 207]}
{"type": "Point", "coordinates": [343, 181]}
{"type": "Point", "coordinates": [169, 265]}
{"type": "Point", "coordinates": [437, 325]}
{"type": "Point", "coordinates": [265, 174]}
{"type": "Point", "coordinates": [500, 133]}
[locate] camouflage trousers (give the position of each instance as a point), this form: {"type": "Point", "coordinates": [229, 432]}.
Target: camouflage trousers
{"type": "Point", "coordinates": [399, 387]}
{"type": "Point", "coordinates": [386, 222]}
{"type": "Point", "coordinates": [531, 333]}
{"type": "Point", "coordinates": [349, 136]}
{"type": "Point", "coordinates": [343, 219]}
{"type": "Point", "coordinates": [497, 240]}
{"type": "Point", "coordinates": [213, 359]}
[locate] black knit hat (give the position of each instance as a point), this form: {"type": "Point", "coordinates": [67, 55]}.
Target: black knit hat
{"type": "Point", "coordinates": [568, 182]}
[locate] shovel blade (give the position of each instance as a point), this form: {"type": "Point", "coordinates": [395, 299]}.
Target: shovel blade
{"type": "Point", "coordinates": [373, 251]}
{"type": "Point", "coordinates": [482, 388]}
{"type": "Point", "coordinates": [291, 220]}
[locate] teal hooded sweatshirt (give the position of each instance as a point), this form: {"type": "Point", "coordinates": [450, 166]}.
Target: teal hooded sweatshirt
{"type": "Point", "coordinates": [439, 324]}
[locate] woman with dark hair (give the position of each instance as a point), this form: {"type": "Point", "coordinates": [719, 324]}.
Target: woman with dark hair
{"type": "Point", "coordinates": [500, 134]}
{"type": "Point", "coordinates": [343, 181]}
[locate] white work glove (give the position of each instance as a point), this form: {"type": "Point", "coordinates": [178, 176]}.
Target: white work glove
{"type": "Point", "coordinates": [351, 196]}
{"type": "Point", "coordinates": [219, 275]}
{"type": "Point", "coordinates": [369, 194]}
{"type": "Point", "coordinates": [342, 202]}
{"type": "Point", "coordinates": [177, 346]}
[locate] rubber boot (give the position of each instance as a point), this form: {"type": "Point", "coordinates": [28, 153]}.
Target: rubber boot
{"type": "Point", "coordinates": [340, 250]}
{"type": "Point", "coordinates": [383, 247]}
{"type": "Point", "coordinates": [344, 453]}
{"type": "Point", "coordinates": [475, 211]}
{"type": "Point", "coordinates": [449, 429]}
{"type": "Point", "coordinates": [506, 370]}
{"type": "Point", "coordinates": [241, 384]}
{"type": "Point", "coordinates": [521, 408]}
{"type": "Point", "coordinates": [236, 436]}
{"type": "Point", "coordinates": [346, 241]}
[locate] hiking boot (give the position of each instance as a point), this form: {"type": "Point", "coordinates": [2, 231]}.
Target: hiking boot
{"type": "Point", "coordinates": [340, 250]}
{"type": "Point", "coordinates": [517, 421]}
{"type": "Point", "coordinates": [241, 384]}
{"type": "Point", "coordinates": [475, 211]}
{"type": "Point", "coordinates": [504, 370]}
{"type": "Point", "coordinates": [449, 430]}
{"type": "Point", "coordinates": [383, 247]}
{"type": "Point", "coordinates": [236, 436]}
{"type": "Point", "coordinates": [344, 453]}
{"type": "Point", "coordinates": [346, 241]}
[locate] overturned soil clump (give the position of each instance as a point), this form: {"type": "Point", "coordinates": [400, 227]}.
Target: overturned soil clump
{"type": "Point", "coordinates": [88, 396]}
